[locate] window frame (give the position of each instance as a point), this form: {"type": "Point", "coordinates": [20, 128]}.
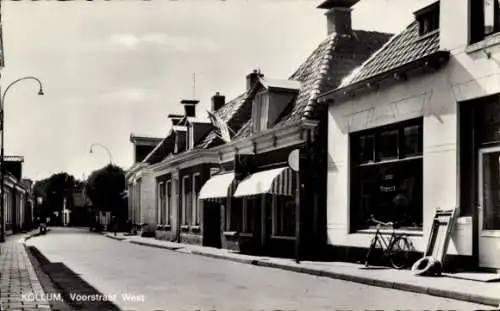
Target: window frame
{"type": "Point", "coordinates": [195, 216]}
{"type": "Point", "coordinates": [477, 20]}
{"type": "Point", "coordinates": [185, 207]}
{"type": "Point", "coordinates": [362, 201]}
{"type": "Point", "coordinates": [278, 219]}
{"type": "Point", "coordinates": [246, 227]}
{"type": "Point", "coordinates": [168, 202]}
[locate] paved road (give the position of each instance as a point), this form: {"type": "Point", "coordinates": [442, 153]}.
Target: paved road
{"type": "Point", "coordinates": [174, 281]}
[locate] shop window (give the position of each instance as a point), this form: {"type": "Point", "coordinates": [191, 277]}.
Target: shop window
{"type": "Point", "coordinates": [367, 148]}
{"type": "Point", "coordinates": [485, 18]}
{"type": "Point", "coordinates": [388, 145]}
{"type": "Point", "coordinates": [284, 216]}
{"type": "Point", "coordinates": [249, 205]}
{"type": "Point", "coordinates": [412, 140]}
{"type": "Point", "coordinates": [235, 217]}
{"type": "Point", "coordinates": [389, 186]}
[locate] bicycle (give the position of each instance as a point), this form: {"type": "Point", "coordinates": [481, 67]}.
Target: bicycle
{"type": "Point", "coordinates": [397, 249]}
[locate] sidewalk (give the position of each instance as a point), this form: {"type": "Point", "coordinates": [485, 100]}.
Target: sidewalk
{"type": "Point", "coordinates": [18, 277]}
{"type": "Point", "coordinates": [446, 287]}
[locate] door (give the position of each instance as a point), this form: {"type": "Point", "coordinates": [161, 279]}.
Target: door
{"type": "Point", "coordinates": [211, 224]}
{"type": "Point", "coordinates": [489, 208]}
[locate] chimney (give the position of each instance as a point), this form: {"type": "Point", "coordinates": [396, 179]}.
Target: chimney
{"type": "Point", "coordinates": [252, 78]}
{"type": "Point", "coordinates": [175, 118]}
{"type": "Point", "coordinates": [218, 101]}
{"type": "Point", "coordinates": [338, 15]}
{"type": "Point", "coordinates": [190, 107]}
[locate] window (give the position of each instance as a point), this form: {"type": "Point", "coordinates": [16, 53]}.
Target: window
{"type": "Point", "coordinates": [428, 18]}
{"type": "Point", "coordinates": [260, 110]}
{"type": "Point", "coordinates": [168, 207]}
{"type": "Point", "coordinates": [186, 200]}
{"type": "Point", "coordinates": [389, 186]}
{"type": "Point", "coordinates": [485, 18]}
{"type": "Point", "coordinates": [387, 145]}
{"type": "Point", "coordinates": [249, 205]}
{"type": "Point", "coordinates": [196, 203]}
{"type": "Point", "coordinates": [234, 215]}
{"type": "Point", "coordinates": [161, 203]}
{"type": "Point", "coordinates": [366, 149]}
{"type": "Point", "coordinates": [284, 216]}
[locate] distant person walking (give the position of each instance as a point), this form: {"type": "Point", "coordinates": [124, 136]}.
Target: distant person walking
{"type": "Point", "coordinates": [114, 224]}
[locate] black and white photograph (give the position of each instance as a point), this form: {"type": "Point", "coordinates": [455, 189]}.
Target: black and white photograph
{"type": "Point", "coordinates": [188, 155]}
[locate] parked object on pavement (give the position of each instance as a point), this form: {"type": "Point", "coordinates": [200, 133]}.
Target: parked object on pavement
{"type": "Point", "coordinates": [427, 266]}
{"type": "Point", "coordinates": [437, 247]}
{"type": "Point", "coordinates": [396, 249]}
{"type": "Point", "coordinates": [43, 228]}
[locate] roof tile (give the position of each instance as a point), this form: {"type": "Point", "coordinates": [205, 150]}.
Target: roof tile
{"type": "Point", "coordinates": [334, 58]}
{"type": "Point", "coordinates": [403, 48]}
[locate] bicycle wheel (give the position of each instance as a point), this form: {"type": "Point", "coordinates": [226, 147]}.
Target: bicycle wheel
{"type": "Point", "coordinates": [371, 250]}
{"type": "Point", "coordinates": [400, 252]}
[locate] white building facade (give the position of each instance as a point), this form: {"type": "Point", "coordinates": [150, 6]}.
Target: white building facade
{"type": "Point", "coordinates": [420, 120]}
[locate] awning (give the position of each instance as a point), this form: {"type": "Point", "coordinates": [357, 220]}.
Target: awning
{"type": "Point", "coordinates": [217, 187]}
{"type": "Point", "coordinates": [278, 181]}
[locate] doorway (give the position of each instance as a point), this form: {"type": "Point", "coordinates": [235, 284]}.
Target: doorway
{"type": "Point", "coordinates": [212, 224]}
{"type": "Point", "coordinates": [489, 207]}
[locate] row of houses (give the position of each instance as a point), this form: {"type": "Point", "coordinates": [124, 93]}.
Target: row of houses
{"type": "Point", "coordinates": [18, 199]}
{"type": "Point", "coordinates": [371, 123]}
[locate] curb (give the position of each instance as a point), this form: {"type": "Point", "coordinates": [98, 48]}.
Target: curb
{"type": "Point", "coordinates": [29, 236]}
{"type": "Point", "coordinates": [216, 256]}
{"type": "Point", "coordinates": [115, 237]}
{"type": "Point", "coordinates": [69, 283]}
{"type": "Point", "coordinates": [171, 248]}
{"type": "Point", "coordinates": [408, 287]}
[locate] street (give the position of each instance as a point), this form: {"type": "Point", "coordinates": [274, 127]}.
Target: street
{"type": "Point", "coordinates": [158, 279]}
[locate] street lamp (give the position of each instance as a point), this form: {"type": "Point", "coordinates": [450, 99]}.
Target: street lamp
{"type": "Point", "coordinates": [103, 147]}
{"type": "Point", "coordinates": [2, 155]}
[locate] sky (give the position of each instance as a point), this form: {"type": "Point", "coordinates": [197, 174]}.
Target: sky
{"type": "Point", "coordinates": [112, 68]}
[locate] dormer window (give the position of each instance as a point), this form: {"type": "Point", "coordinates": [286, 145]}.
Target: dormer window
{"type": "Point", "coordinates": [485, 19]}
{"type": "Point", "coordinates": [428, 19]}
{"type": "Point", "coordinates": [270, 102]}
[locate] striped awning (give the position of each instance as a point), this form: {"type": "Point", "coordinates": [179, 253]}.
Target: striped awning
{"type": "Point", "coordinates": [278, 181]}
{"type": "Point", "coordinates": [217, 187]}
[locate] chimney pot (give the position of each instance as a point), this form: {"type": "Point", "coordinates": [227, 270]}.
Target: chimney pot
{"type": "Point", "coordinates": [253, 77]}
{"type": "Point", "coordinates": [218, 101]}
{"type": "Point", "coordinates": [338, 15]}
{"type": "Point", "coordinates": [189, 107]}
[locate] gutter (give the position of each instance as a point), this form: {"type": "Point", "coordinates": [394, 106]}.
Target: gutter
{"type": "Point", "coordinates": [238, 144]}
{"type": "Point", "coordinates": [399, 73]}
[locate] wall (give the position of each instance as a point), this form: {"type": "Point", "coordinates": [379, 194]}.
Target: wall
{"type": "Point", "coordinates": [469, 74]}
{"type": "Point", "coordinates": [148, 199]}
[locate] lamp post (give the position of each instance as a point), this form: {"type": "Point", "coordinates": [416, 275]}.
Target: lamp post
{"type": "Point", "coordinates": [2, 155]}
{"type": "Point", "coordinates": [103, 147]}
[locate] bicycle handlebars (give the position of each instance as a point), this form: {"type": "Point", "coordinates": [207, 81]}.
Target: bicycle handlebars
{"type": "Point", "coordinates": [378, 222]}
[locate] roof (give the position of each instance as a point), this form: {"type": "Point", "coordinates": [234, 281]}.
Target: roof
{"type": "Point", "coordinates": [144, 140]}
{"type": "Point", "coordinates": [334, 58]}
{"type": "Point", "coordinates": [279, 84]}
{"type": "Point", "coordinates": [405, 47]}
{"type": "Point", "coordinates": [14, 158]}
{"type": "Point", "coordinates": [234, 113]}
{"type": "Point", "coordinates": [162, 149]}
